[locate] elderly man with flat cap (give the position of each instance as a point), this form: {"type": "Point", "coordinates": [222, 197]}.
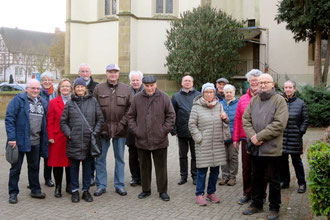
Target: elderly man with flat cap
{"type": "Point", "coordinates": [150, 118]}
{"type": "Point", "coordinates": [114, 98]}
{"type": "Point", "coordinates": [220, 84]}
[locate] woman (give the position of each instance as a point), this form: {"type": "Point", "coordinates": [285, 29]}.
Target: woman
{"type": "Point", "coordinates": [206, 128]}
{"type": "Point", "coordinates": [57, 141]}
{"type": "Point", "coordinates": [229, 171]}
{"type": "Point", "coordinates": [239, 135]}
{"type": "Point", "coordinates": [292, 137]}
{"type": "Point", "coordinates": [79, 136]}
{"type": "Point", "coordinates": [48, 93]}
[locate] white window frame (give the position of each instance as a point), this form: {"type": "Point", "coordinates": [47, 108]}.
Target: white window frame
{"type": "Point", "coordinates": [164, 8]}
{"type": "Point", "coordinates": [111, 8]}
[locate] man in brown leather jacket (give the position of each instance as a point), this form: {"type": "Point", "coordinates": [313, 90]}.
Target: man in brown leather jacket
{"type": "Point", "coordinates": [150, 118]}
{"type": "Point", "coordinates": [114, 98]}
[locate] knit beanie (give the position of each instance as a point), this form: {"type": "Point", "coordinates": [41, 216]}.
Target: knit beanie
{"type": "Point", "coordinates": [79, 81]}
{"type": "Point", "coordinates": [208, 85]}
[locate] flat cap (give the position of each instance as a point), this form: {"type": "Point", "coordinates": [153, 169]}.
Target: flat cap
{"type": "Point", "coordinates": [112, 67]}
{"type": "Point", "coordinates": [224, 80]}
{"type": "Point", "coordinates": [149, 79]}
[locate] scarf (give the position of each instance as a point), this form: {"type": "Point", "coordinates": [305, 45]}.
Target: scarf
{"type": "Point", "coordinates": [65, 98]}
{"type": "Point", "coordinates": [49, 91]}
{"type": "Point", "coordinates": [209, 104]}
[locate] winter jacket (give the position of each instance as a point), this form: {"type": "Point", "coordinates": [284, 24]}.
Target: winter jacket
{"type": "Point", "coordinates": [182, 104]}
{"type": "Point", "coordinates": [57, 151]}
{"type": "Point", "coordinates": [114, 101]}
{"type": "Point", "coordinates": [130, 138]}
{"type": "Point", "coordinates": [267, 116]}
{"type": "Point", "coordinates": [151, 118]}
{"type": "Point", "coordinates": [91, 85]}
{"type": "Point", "coordinates": [205, 126]}
{"type": "Point", "coordinates": [18, 124]}
{"type": "Point", "coordinates": [238, 131]}
{"type": "Point", "coordinates": [230, 111]}
{"type": "Point", "coordinates": [74, 127]}
{"type": "Point", "coordinates": [296, 127]}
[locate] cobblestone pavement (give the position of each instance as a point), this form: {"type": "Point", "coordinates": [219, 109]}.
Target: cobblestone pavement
{"type": "Point", "coordinates": [113, 206]}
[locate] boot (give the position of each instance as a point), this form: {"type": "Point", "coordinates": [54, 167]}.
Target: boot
{"type": "Point", "coordinates": [58, 192]}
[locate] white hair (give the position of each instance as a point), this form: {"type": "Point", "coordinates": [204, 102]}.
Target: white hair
{"type": "Point", "coordinates": [135, 72]}
{"type": "Point", "coordinates": [253, 72]}
{"type": "Point", "coordinates": [85, 64]}
{"type": "Point", "coordinates": [229, 87]}
{"type": "Point", "coordinates": [47, 74]}
{"type": "Point", "coordinates": [31, 81]}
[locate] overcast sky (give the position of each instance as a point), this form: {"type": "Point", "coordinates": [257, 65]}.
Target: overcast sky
{"type": "Point", "coordinates": [36, 15]}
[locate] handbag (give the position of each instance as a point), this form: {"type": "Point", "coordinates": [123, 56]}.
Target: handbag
{"type": "Point", "coordinates": [96, 147]}
{"type": "Point", "coordinates": [12, 154]}
{"type": "Point", "coordinates": [225, 127]}
{"type": "Point", "coordinates": [252, 149]}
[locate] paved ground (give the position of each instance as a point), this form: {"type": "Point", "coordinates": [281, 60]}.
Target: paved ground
{"type": "Point", "coordinates": [112, 206]}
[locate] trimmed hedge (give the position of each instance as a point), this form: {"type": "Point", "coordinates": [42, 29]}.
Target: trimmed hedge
{"type": "Point", "coordinates": [319, 180]}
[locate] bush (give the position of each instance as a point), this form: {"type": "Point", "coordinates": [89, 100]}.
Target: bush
{"type": "Point", "coordinates": [318, 104]}
{"type": "Point", "coordinates": [319, 181]}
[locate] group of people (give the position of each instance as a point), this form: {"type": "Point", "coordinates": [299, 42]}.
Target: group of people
{"type": "Point", "coordinates": [212, 124]}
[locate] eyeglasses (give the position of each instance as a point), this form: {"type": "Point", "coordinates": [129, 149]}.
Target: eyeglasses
{"type": "Point", "coordinates": [34, 88]}
{"type": "Point", "coordinates": [265, 83]}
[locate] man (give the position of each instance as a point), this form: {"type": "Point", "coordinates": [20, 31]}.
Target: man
{"type": "Point", "coordinates": [85, 73]}
{"type": "Point", "coordinates": [150, 118]}
{"type": "Point", "coordinates": [114, 98]}
{"type": "Point", "coordinates": [220, 84]}
{"type": "Point", "coordinates": [135, 78]}
{"type": "Point", "coordinates": [26, 129]}
{"type": "Point", "coordinates": [264, 121]}
{"type": "Point", "coordinates": [182, 102]}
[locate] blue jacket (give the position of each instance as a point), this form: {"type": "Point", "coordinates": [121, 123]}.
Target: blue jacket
{"type": "Point", "coordinates": [18, 124]}
{"type": "Point", "coordinates": [230, 111]}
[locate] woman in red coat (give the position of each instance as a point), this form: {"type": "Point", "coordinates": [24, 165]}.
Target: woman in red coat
{"type": "Point", "coordinates": [57, 140]}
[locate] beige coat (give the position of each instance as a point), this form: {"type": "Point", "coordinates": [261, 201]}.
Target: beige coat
{"type": "Point", "coordinates": [206, 128]}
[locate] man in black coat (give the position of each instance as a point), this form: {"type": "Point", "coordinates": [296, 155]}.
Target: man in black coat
{"type": "Point", "coordinates": [182, 102]}
{"type": "Point", "coordinates": [85, 73]}
{"type": "Point", "coordinates": [292, 137]}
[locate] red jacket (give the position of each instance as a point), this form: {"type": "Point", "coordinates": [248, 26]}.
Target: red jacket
{"type": "Point", "coordinates": [57, 151]}
{"type": "Point", "coordinates": [238, 132]}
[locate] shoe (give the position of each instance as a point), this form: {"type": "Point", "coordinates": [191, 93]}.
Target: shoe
{"type": "Point", "coordinates": [231, 182]}
{"type": "Point", "coordinates": [252, 210]}
{"type": "Point", "coordinates": [284, 186]}
{"type": "Point", "coordinates": [92, 182]}
{"type": "Point", "coordinates": [38, 195]}
{"type": "Point", "coordinates": [194, 181]}
{"type": "Point", "coordinates": [273, 215]}
{"type": "Point", "coordinates": [143, 195]}
{"type": "Point", "coordinates": [68, 188]}
{"type": "Point", "coordinates": [135, 182]}
{"type": "Point", "coordinates": [164, 197]}
{"type": "Point", "coordinates": [244, 200]}
{"type": "Point", "coordinates": [99, 192]}
{"type": "Point", "coordinates": [200, 200]}
{"type": "Point", "coordinates": [182, 181]}
{"type": "Point", "coordinates": [12, 198]}
{"type": "Point", "coordinates": [302, 189]}
{"type": "Point", "coordinates": [213, 198]}
{"type": "Point", "coordinates": [121, 191]}
{"type": "Point", "coordinates": [87, 196]}
{"type": "Point", "coordinates": [75, 197]}
{"type": "Point", "coordinates": [223, 182]}
{"type": "Point", "coordinates": [49, 183]}
{"type": "Point", "coordinates": [58, 193]}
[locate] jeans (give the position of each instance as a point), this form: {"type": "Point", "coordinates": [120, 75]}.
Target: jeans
{"type": "Point", "coordinates": [86, 174]}
{"type": "Point", "coordinates": [261, 167]}
{"type": "Point", "coordinates": [101, 163]}
{"type": "Point", "coordinates": [298, 167]}
{"type": "Point", "coordinates": [229, 171]}
{"type": "Point", "coordinates": [134, 165]}
{"type": "Point", "coordinates": [184, 145]}
{"type": "Point", "coordinates": [33, 160]}
{"type": "Point", "coordinates": [201, 177]}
